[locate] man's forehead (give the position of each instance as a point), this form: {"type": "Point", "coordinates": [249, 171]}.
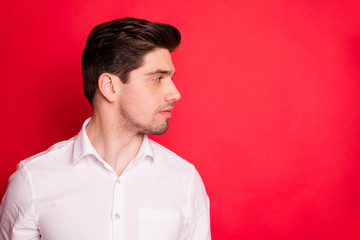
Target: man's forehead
{"type": "Point", "coordinates": [157, 62]}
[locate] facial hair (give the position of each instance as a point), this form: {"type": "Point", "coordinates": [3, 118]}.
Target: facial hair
{"type": "Point", "coordinates": [153, 126]}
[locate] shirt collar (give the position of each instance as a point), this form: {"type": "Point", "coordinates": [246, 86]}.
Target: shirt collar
{"type": "Point", "coordinates": [145, 150]}
{"type": "Point", "coordinates": [83, 147]}
{"type": "Point", "coordinates": [82, 144]}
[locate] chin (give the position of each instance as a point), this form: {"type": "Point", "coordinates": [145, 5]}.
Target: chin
{"type": "Point", "coordinates": [158, 129]}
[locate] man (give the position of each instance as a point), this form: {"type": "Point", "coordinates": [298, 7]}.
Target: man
{"type": "Point", "coordinates": [111, 181]}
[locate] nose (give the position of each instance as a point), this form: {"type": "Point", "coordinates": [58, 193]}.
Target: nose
{"type": "Point", "coordinates": [172, 94]}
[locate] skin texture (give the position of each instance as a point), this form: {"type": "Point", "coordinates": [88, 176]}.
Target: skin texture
{"type": "Point", "coordinates": [149, 95]}
{"type": "Point", "coordinates": [124, 112]}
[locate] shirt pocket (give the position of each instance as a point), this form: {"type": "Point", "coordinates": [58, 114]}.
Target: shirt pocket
{"type": "Point", "coordinates": [158, 225]}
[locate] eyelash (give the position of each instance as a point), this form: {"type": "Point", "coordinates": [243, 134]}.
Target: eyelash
{"type": "Point", "coordinates": [158, 79]}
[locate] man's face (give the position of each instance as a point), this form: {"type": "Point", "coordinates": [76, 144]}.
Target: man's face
{"type": "Point", "coordinates": [149, 95]}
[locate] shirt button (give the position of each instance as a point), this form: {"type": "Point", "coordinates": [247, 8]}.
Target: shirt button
{"type": "Point", "coordinates": [117, 216]}
{"type": "Point", "coordinates": [118, 181]}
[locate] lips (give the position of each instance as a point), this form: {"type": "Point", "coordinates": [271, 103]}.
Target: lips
{"type": "Point", "coordinates": [169, 109]}
{"type": "Point", "coordinates": [166, 111]}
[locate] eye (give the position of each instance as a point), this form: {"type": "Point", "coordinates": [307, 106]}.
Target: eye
{"type": "Point", "coordinates": [157, 79]}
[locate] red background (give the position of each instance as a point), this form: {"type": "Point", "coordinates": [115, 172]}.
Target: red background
{"type": "Point", "coordinates": [269, 111]}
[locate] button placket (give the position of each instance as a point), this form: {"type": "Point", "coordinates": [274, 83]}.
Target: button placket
{"type": "Point", "coordinates": [117, 208]}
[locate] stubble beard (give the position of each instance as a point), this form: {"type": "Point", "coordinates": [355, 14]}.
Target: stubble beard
{"type": "Point", "coordinates": [153, 127]}
{"type": "Point", "coordinates": [156, 128]}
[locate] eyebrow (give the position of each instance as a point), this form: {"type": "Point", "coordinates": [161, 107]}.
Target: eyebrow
{"type": "Point", "coordinates": [157, 71]}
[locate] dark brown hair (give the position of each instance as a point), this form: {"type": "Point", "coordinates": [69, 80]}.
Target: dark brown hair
{"type": "Point", "coordinates": [119, 46]}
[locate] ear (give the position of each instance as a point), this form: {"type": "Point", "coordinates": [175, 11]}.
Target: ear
{"type": "Point", "coordinates": [106, 86]}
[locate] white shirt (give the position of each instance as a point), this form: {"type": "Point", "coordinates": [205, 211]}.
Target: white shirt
{"type": "Point", "coordinates": [70, 193]}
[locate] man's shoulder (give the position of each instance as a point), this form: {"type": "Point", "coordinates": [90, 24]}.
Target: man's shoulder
{"type": "Point", "coordinates": [170, 158]}
{"type": "Point", "coordinates": [56, 151]}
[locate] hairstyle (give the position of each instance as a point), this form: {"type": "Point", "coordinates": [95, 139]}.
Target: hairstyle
{"type": "Point", "coordinates": [119, 46]}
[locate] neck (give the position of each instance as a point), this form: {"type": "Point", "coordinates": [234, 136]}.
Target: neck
{"type": "Point", "coordinates": [115, 145]}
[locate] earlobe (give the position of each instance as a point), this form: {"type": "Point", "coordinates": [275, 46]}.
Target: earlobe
{"type": "Point", "coordinates": [107, 86]}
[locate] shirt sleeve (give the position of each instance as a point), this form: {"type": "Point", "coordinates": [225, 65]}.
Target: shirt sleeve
{"type": "Point", "coordinates": [199, 210]}
{"type": "Point", "coordinates": [17, 214]}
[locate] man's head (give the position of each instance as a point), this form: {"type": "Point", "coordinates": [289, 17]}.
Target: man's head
{"type": "Point", "coordinates": [119, 46]}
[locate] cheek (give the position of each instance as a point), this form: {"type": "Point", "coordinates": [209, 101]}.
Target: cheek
{"type": "Point", "coordinates": [140, 106]}
{"type": "Point", "coordinates": [148, 98]}
{"type": "Point", "coordinates": [141, 100]}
